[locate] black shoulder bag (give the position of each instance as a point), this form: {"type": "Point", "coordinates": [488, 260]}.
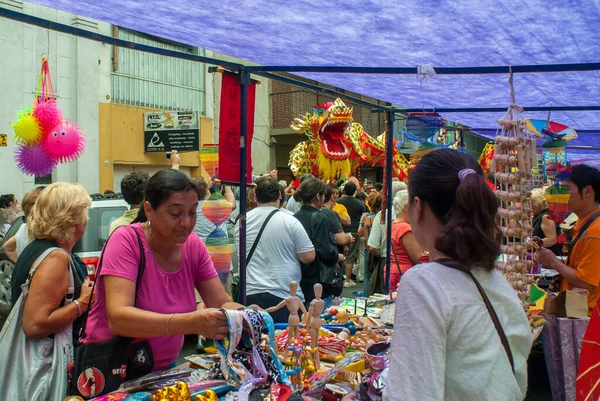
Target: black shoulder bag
{"type": "Point", "coordinates": [458, 266]}
{"type": "Point", "coordinates": [100, 367]}
{"type": "Point", "coordinates": [235, 284]}
{"type": "Point", "coordinates": [330, 277]}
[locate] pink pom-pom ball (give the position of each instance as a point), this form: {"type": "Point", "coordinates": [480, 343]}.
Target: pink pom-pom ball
{"type": "Point", "coordinates": [64, 143]}
{"type": "Point", "coordinates": [48, 114]}
{"type": "Point", "coordinates": [32, 160]}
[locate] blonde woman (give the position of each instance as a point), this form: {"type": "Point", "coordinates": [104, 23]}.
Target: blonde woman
{"type": "Point", "coordinates": [543, 227]}
{"type": "Point", "coordinates": [36, 343]}
{"type": "Point", "coordinates": [405, 249]}
{"type": "Point", "coordinates": [58, 219]}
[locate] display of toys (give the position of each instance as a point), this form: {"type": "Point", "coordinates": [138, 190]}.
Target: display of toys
{"type": "Point", "coordinates": [43, 139]}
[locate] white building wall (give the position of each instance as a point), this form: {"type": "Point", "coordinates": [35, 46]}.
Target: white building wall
{"type": "Point", "coordinates": [80, 78]}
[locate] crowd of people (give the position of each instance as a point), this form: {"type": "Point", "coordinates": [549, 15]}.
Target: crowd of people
{"type": "Point", "coordinates": [155, 267]}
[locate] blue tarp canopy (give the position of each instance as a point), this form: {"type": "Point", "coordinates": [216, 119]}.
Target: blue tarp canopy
{"type": "Point", "coordinates": [379, 33]}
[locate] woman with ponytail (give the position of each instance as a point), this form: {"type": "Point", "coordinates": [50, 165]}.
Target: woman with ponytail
{"type": "Point", "coordinates": [444, 329]}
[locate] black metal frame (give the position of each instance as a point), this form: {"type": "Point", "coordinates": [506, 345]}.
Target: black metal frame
{"type": "Point", "coordinates": [243, 72]}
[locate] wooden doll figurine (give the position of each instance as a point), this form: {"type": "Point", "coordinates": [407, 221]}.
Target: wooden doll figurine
{"type": "Point", "coordinates": [293, 303]}
{"type": "Point", "coordinates": [314, 312]}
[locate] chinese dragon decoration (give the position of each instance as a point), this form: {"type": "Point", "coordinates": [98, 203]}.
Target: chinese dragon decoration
{"type": "Point", "coordinates": [337, 145]}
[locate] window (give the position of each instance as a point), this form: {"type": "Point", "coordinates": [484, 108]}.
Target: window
{"type": "Point", "coordinates": [156, 81]}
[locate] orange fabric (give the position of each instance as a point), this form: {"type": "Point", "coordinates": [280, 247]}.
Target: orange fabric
{"type": "Point", "coordinates": [585, 257]}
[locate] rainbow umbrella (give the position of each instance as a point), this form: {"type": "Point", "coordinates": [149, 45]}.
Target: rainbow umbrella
{"type": "Point", "coordinates": [209, 156]}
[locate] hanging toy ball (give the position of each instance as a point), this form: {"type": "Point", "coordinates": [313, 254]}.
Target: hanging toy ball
{"type": "Point", "coordinates": [65, 143]}
{"type": "Point", "coordinates": [48, 114]}
{"type": "Point", "coordinates": [32, 160]}
{"type": "Point", "coordinates": [27, 128]}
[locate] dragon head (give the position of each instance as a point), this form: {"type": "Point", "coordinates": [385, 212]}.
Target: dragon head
{"type": "Point", "coordinates": [328, 124]}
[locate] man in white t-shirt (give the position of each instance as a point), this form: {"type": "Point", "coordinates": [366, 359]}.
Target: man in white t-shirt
{"type": "Point", "coordinates": [283, 245]}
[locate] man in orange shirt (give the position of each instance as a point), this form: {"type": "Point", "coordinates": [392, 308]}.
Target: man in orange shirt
{"type": "Point", "coordinates": [582, 269]}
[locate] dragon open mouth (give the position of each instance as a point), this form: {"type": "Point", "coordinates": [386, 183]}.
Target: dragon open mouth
{"type": "Point", "coordinates": [332, 139]}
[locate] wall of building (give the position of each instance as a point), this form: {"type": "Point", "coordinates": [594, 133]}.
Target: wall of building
{"type": "Point", "coordinates": [81, 78]}
{"type": "Point", "coordinates": [122, 146]}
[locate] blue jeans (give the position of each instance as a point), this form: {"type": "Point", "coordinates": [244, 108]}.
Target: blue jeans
{"type": "Point", "coordinates": [328, 302]}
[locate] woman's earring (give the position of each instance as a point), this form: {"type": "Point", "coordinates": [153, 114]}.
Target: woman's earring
{"type": "Point", "coordinates": [149, 227]}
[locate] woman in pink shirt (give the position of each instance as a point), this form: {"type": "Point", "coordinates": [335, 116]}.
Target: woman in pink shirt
{"type": "Point", "coordinates": [176, 263]}
{"type": "Point", "coordinates": [405, 249]}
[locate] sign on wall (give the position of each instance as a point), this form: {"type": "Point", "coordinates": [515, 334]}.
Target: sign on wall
{"type": "Point", "coordinates": [3, 139]}
{"type": "Point", "coordinates": [165, 131]}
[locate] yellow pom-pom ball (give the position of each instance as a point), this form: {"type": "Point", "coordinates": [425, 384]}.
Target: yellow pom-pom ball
{"type": "Point", "coordinates": [339, 358]}
{"type": "Point", "coordinates": [310, 369]}
{"type": "Point", "coordinates": [27, 129]}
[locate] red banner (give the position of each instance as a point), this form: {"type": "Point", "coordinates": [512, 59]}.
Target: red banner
{"type": "Point", "coordinates": [229, 130]}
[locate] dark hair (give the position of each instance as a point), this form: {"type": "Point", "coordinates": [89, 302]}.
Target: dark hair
{"type": "Point", "coordinates": [202, 186]}
{"type": "Point", "coordinates": [361, 196]}
{"type": "Point", "coordinates": [311, 188]}
{"type": "Point", "coordinates": [6, 200]}
{"type": "Point", "coordinates": [282, 191]}
{"type": "Point", "coordinates": [133, 186]}
{"type": "Point", "coordinates": [303, 178]}
{"type": "Point", "coordinates": [584, 176]}
{"type": "Point", "coordinates": [161, 186]}
{"type": "Point", "coordinates": [350, 189]}
{"type": "Point", "coordinates": [467, 210]}
{"type": "Point", "coordinates": [379, 186]}
{"type": "Point", "coordinates": [328, 193]}
{"type": "Point", "coordinates": [375, 200]}
{"type": "Point", "coordinates": [267, 189]}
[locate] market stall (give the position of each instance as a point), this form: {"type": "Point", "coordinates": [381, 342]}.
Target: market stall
{"type": "Point", "coordinates": [319, 354]}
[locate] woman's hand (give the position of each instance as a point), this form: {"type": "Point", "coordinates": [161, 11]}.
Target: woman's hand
{"type": "Point", "coordinates": [212, 323]}
{"type": "Point", "coordinates": [341, 257]}
{"type": "Point", "coordinates": [86, 297]}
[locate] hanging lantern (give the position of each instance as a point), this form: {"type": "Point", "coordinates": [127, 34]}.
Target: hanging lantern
{"type": "Point", "coordinates": [209, 156]}
{"type": "Point", "coordinates": [217, 209]}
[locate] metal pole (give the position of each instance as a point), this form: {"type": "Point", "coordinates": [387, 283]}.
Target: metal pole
{"type": "Point", "coordinates": [389, 151]}
{"type": "Point", "coordinates": [244, 80]}
{"type": "Point", "coordinates": [491, 109]}
{"type": "Point", "coordinates": [501, 69]}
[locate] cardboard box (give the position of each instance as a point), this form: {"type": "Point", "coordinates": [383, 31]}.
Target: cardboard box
{"type": "Point", "coordinates": [567, 304]}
